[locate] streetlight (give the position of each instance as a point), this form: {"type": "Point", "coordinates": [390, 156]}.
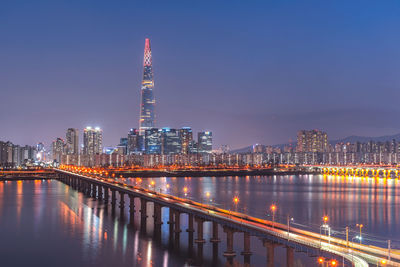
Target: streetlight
{"type": "Point", "coordinates": [288, 225]}
{"type": "Point", "coordinates": [360, 226]}
{"type": "Point", "coordinates": [325, 225]}
{"type": "Point", "coordinates": [333, 262]}
{"type": "Point", "coordinates": [383, 262]}
{"type": "Point", "coordinates": [321, 260]}
{"type": "Point", "coordinates": [273, 209]}
{"type": "Point", "coordinates": [185, 190]}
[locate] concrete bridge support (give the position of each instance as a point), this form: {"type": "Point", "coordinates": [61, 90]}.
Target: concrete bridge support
{"type": "Point", "coordinates": [100, 189]}
{"type": "Point", "coordinates": [270, 252]}
{"type": "Point", "coordinates": [200, 239]}
{"type": "Point", "coordinates": [94, 192]}
{"type": "Point", "coordinates": [143, 214]}
{"type": "Point", "coordinates": [246, 251]}
{"type": "Point", "coordinates": [106, 194]}
{"type": "Point", "coordinates": [157, 220]}
{"type": "Point", "coordinates": [229, 254]}
{"type": "Point", "coordinates": [177, 227]}
{"type": "Point", "coordinates": [131, 209]}
{"type": "Point", "coordinates": [215, 240]}
{"type": "Point", "coordinates": [113, 198]}
{"type": "Point", "coordinates": [289, 257]}
{"type": "Point", "coordinates": [190, 231]}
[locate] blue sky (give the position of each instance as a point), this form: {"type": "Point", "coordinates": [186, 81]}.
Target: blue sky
{"type": "Point", "coordinates": [250, 71]}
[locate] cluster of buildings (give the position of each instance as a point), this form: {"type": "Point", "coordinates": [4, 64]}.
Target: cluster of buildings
{"type": "Point", "coordinates": [313, 148]}
{"type": "Point", "coordinates": [161, 146]}
{"type": "Point", "coordinates": [146, 146]}
{"type": "Point", "coordinates": [12, 155]}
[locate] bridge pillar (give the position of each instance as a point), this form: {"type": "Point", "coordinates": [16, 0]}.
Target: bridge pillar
{"type": "Point", "coordinates": [270, 252]}
{"type": "Point", "coordinates": [131, 209]}
{"type": "Point", "coordinates": [143, 214]}
{"type": "Point", "coordinates": [106, 194]}
{"type": "Point", "coordinates": [157, 220]}
{"type": "Point", "coordinates": [177, 230]}
{"type": "Point", "coordinates": [200, 238]}
{"type": "Point", "coordinates": [171, 222]}
{"type": "Point", "coordinates": [215, 240]}
{"type": "Point", "coordinates": [122, 201]}
{"type": "Point", "coordinates": [113, 198]}
{"type": "Point", "coordinates": [94, 191]}
{"type": "Point", "coordinates": [229, 254]}
{"type": "Point", "coordinates": [246, 251]}
{"type": "Point", "coordinates": [289, 257]}
{"type": "Point", "coordinates": [100, 188]}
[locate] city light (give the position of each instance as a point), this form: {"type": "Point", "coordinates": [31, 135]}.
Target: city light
{"type": "Point", "coordinates": [236, 200]}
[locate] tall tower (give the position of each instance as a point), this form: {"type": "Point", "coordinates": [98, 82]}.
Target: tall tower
{"type": "Point", "coordinates": [147, 104]}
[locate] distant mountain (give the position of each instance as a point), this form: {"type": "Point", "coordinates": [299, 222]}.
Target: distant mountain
{"type": "Point", "coordinates": [364, 139]}
{"type": "Point", "coordinates": [349, 139]}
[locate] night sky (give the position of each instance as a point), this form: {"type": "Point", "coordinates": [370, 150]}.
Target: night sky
{"type": "Point", "coordinates": [250, 71]}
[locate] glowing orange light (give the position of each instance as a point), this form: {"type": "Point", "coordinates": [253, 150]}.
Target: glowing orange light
{"type": "Point", "coordinates": [325, 219]}
{"type": "Point", "coordinates": [207, 194]}
{"type": "Point", "coordinates": [383, 262]}
{"type": "Point", "coordinates": [236, 200]}
{"type": "Point", "coordinates": [167, 185]}
{"type": "Point", "coordinates": [333, 263]}
{"type": "Point", "coordinates": [273, 207]}
{"type": "Point", "coordinates": [185, 189]}
{"type": "Point", "coordinates": [321, 260]}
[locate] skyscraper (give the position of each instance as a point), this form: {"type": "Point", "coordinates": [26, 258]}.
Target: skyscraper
{"type": "Point", "coordinates": [204, 142]}
{"type": "Point", "coordinates": [72, 141]}
{"type": "Point", "coordinates": [147, 105]}
{"type": "Point", "coordinates": [312, 141]}
{"type": "Point", "coordinates": [186, 137]}
{"type": "Point", "coordinates": [92, 141]}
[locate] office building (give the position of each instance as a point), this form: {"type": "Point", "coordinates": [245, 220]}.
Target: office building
{"type": "Point", "coordinates": [204, 142]}
{"type": "Point", "coordinates": [186, 135]}
{"type": "Point", "coordinates": [171, 141]}
{"type": "Point", "coordinates": [92, 141]}
{"type": "Point", "coordinates": [72, 141]}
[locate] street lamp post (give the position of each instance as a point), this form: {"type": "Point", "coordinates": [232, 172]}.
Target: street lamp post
{"type": "Point", "coordinates": [360, 226]}
{"type": "Point", "coordinates": [273, 209]}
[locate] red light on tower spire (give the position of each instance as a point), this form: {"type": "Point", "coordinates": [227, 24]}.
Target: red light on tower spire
{"type": "Point", "coordinates": [147, 53]}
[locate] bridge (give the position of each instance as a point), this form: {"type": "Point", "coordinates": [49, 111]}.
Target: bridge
{"type": "Point", "coordinates": [372, 171]}
{"type": "Point", "coordinates": [271, 233]}
{"type": "Point", "coordinates": [27, 174]}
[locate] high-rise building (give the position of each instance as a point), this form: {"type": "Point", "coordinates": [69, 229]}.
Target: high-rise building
{"type": "Point", "coordinates": [204, 142]}
{"type": "Point", "coordinates": [133, 142]}
{"type": "Point", "coordinates": [171, 141]}
{"type": "Point", "coordinates": [186, 137]}
{"type": "Point", "coordinates": [153, 141]}
{"type": "Point", "coordinates": [312, 141]}
{"type": "Point", "coordinates": [72, 141]}
{"type": "Point", "coordinates": [57, 149]}
{"type": "Point", "coordinates": [92, 141]}
{"type": "Point", "coordinates": [147, 105]}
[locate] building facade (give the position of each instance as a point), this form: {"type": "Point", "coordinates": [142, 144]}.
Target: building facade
{"type": "Point", "coordinates": [147, 106]}
{"type": "Point", "coordinates": [92, 141]}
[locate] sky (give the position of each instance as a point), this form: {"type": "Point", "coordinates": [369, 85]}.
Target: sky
{"type": "Point", "coordinates": [249, 71]}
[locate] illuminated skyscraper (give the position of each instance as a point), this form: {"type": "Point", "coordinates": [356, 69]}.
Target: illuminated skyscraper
{"type": "Point", "coordinates": [204, 142]}
{"type": "Point", "coordinates": [92, 141]}
{"type": "Point", "coordinates": [72, 141]}
{"type": "Point", "coordinates": [147, 105]}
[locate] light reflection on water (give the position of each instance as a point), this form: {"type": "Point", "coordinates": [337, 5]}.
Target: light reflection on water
{"type": "Point", "coordinates": [55, 225]}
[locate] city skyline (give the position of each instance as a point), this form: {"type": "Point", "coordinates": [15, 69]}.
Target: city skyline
{"type": "Point", "coordinates": [219, 74]}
